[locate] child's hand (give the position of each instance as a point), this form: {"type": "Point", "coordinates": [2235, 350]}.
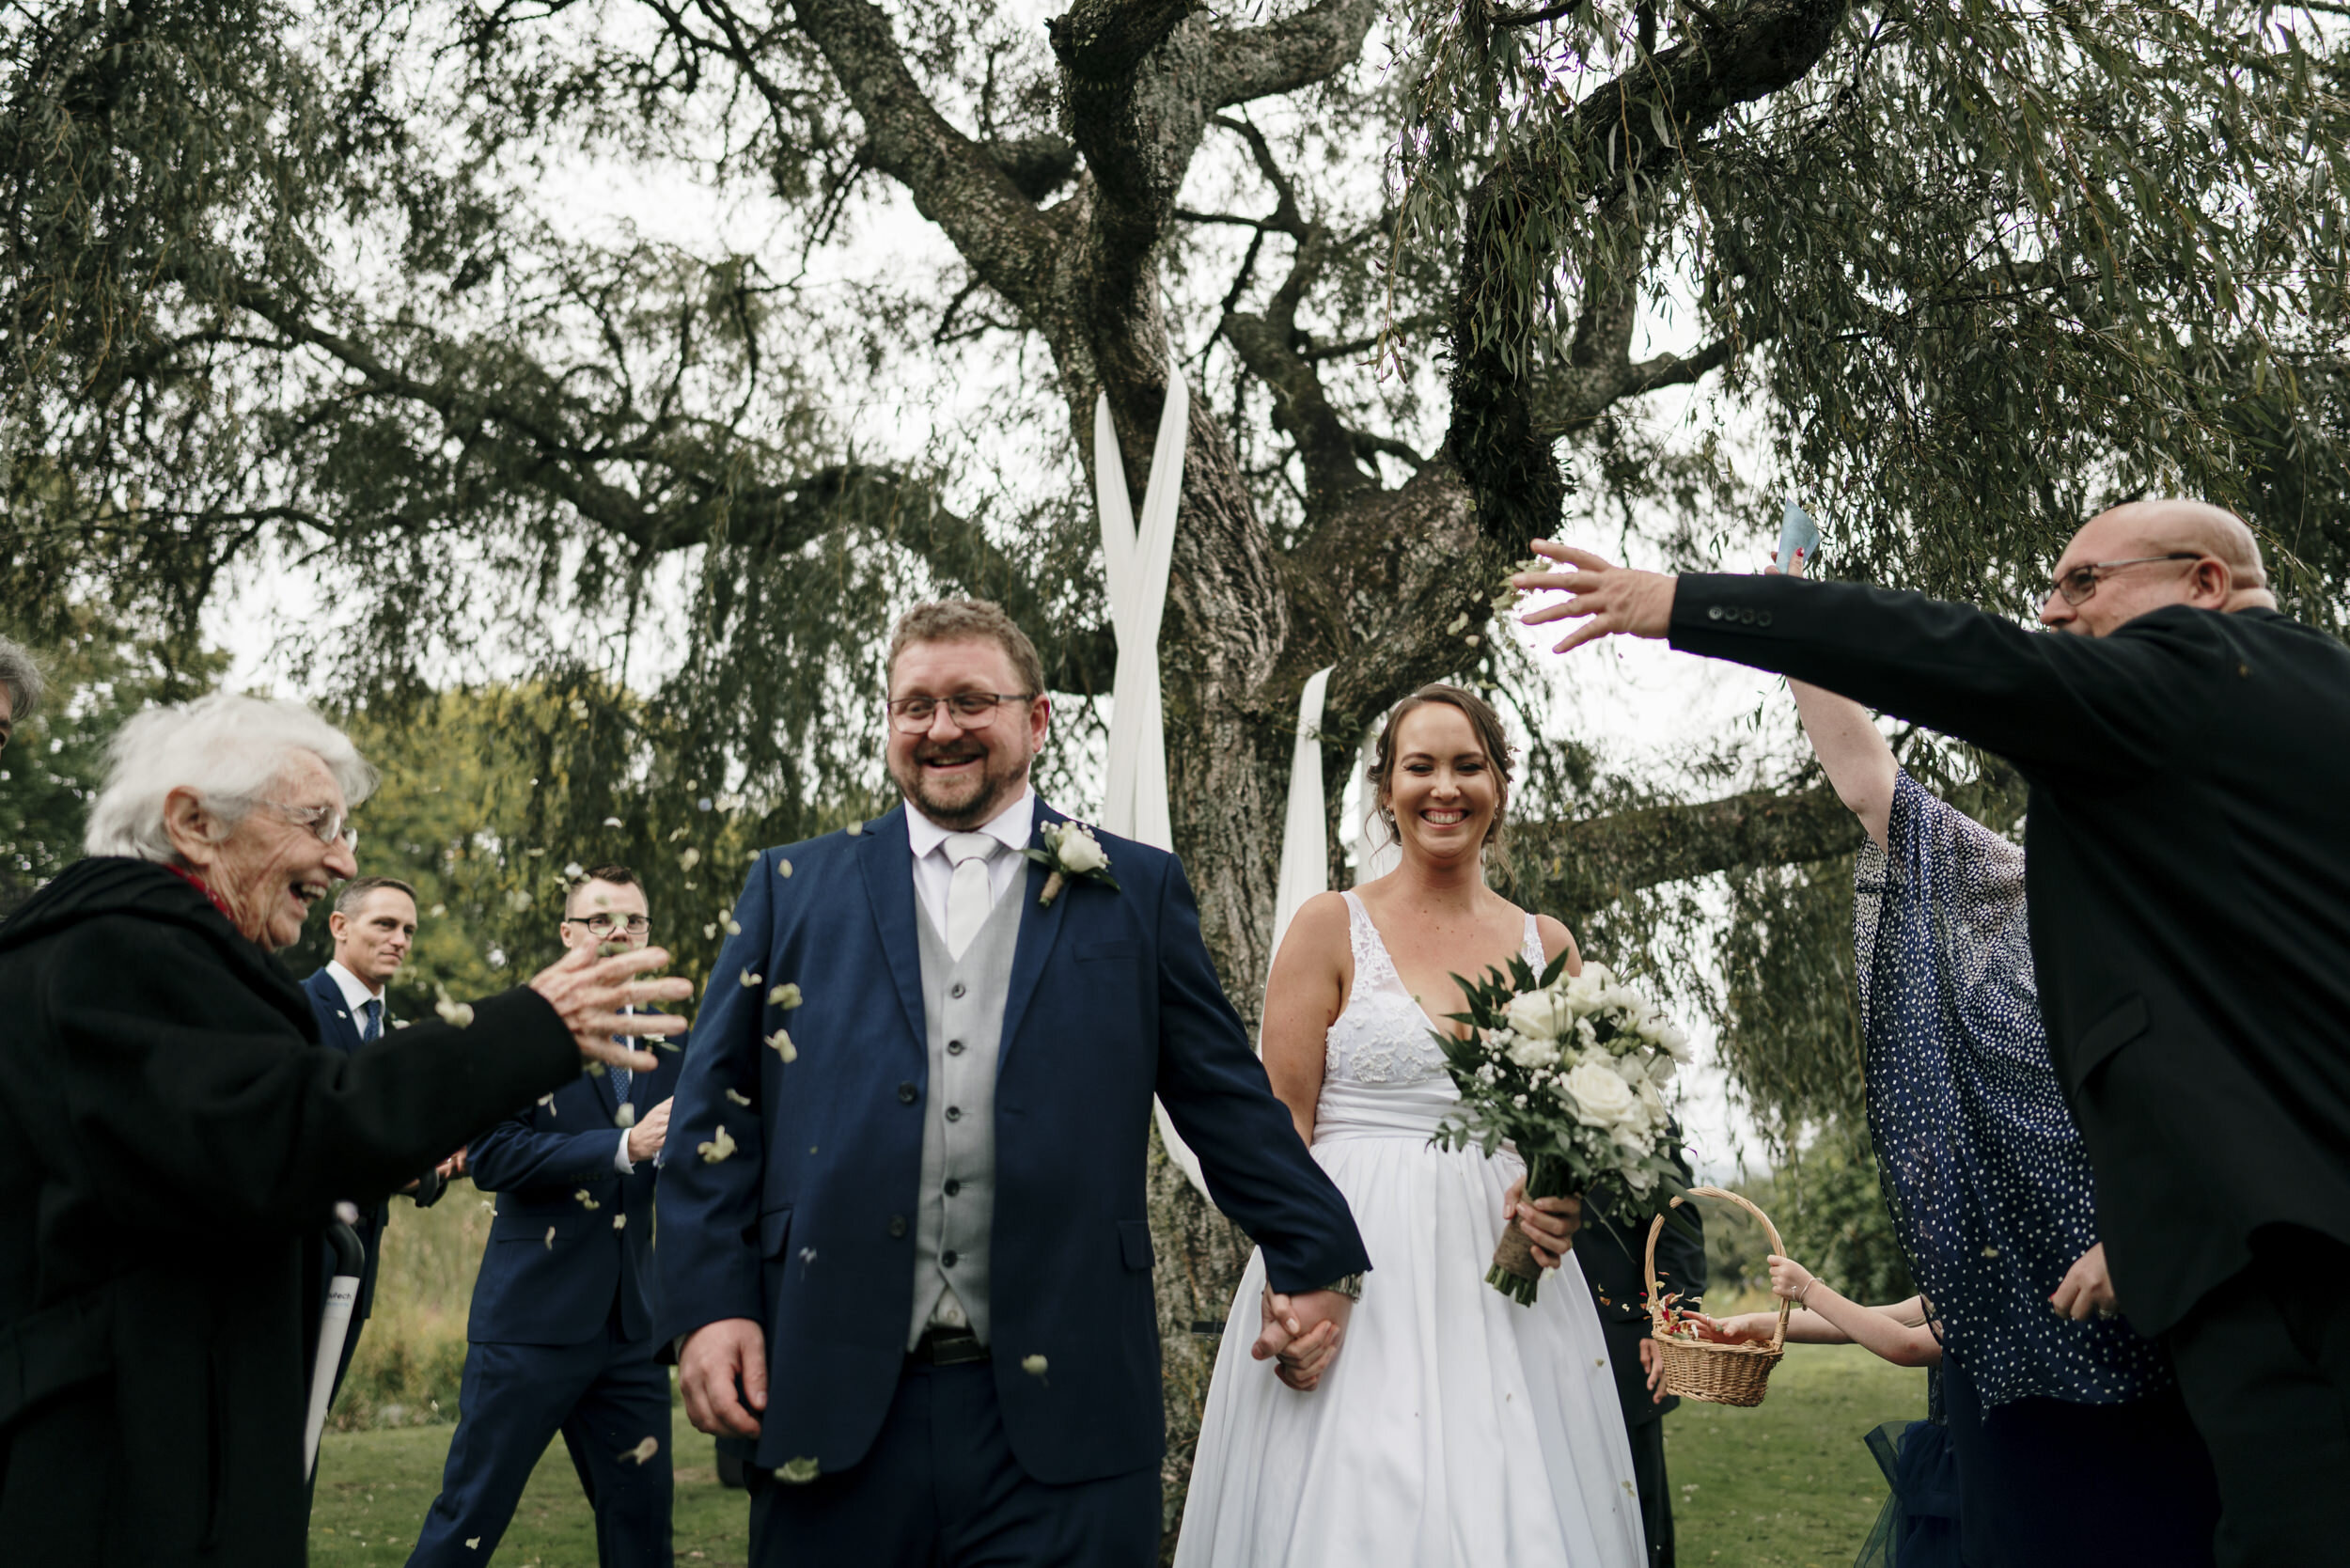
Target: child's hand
{"type": "Point", "coordinates": [1789, 1278]}
{"type": "Point", "coordinates": [1746, 1327]}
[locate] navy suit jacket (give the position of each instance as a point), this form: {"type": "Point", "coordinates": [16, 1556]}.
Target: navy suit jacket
{"type": "Point", "coordinates": [571, 1232]}
{"type": "Point", "coordinates": [339, 1029]}
{"type": "Point", "coordinates": [808, 1226]}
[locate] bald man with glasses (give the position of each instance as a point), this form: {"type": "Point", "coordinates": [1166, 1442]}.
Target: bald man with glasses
{"type": "Point", "coordinates": [2190, 882]}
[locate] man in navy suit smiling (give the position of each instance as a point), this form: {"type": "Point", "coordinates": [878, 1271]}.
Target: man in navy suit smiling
{"type": "Point", "coordinates": [913, 1259]}
{"type": "Point", "coordinates": [373, 924]}
{"type": "Point", "coordinates": [561, 1333]}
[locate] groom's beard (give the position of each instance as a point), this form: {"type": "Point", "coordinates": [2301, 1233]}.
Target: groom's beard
{"type": "Point", "coordinates": [969, 800]}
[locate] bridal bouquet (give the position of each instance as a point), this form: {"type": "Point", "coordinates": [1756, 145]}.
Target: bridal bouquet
{"type": "Point", "coordinates": [1570, 1071]}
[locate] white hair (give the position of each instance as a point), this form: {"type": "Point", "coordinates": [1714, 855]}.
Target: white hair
{"type": "Point", "coordinates": [23, 678]}
{"type": "Point", "coordinates": [230, 750]}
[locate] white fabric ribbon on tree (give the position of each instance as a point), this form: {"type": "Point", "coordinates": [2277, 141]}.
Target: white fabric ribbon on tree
{"type": "Point", "coordinates": [1138, 560]}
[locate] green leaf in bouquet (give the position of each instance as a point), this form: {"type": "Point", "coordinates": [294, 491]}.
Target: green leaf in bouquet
{"type": "Point", "coordinates": [1557, 967]}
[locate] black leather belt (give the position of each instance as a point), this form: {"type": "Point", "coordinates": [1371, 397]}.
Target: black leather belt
{"type": "Point", "coordinates": [946, 1347]}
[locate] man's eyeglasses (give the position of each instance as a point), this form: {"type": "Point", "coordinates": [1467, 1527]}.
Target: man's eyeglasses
{"type": "Point", "coordinates": [605, 925]}
{"type": "Point", "coordinates": [2080, 584]}
{"type": "Point", "coordinates": [970, 710]}
{"type": "Point", "coordinates": [329, 823]}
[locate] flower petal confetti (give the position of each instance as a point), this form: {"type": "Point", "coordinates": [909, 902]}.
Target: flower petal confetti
{"type": "Point", "coordinates": [786, 996]}
{"type": "Point", "coordinates": [856, 828]}
{"type": "Point", "coordinates": [689, 858]}
{"type": "Point", "coordinates": [717, 1149]}
{"type": "Point", "coordinates": [780, 1043]}
{"type": "Point", "coordinates": [743, 1100]}
{"type": "Point", "coordinates": [644, 1451]}
{"type": "Point", "coordinates": [797, 1472]}
{"type": "Point", "coordinates": [626, 1117]}
{"type": "Point", "coordinates": [751, 981]}
{"type": "Point", "coordinates": [454, 1014]}
{"type": "Point", "coordinates": [550, 1238]}
{"type": "Point", "coordinates": [585, 1201]}
{"type": "Point", "coordinates": [783, 868]}
{"type": "Point", "coordinates": [1035, 1366]}
{"type": "Point", "coordinates": [619, 1222]}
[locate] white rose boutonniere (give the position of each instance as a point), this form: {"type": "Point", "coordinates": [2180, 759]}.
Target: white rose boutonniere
{"type": "Point", "coordinates": [1070, 848]}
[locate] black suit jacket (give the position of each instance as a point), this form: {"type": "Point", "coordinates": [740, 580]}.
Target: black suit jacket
{"type": "Point", "coordinates": [172, 1139]}
{"type": "Point", "coordinates": [2189, 877]}
{"type": "Point", "coordinates": [1614, 1256]}
{"type": "Point", "coordinates": [339, 1029]}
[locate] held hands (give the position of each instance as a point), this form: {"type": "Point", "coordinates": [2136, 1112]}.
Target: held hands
{"type": "Point", "coordinates": [588, 992]}
{"type": "Point", "coordinates": [648, 1134]}
{"type": "Point", "coordinates": [1549, 1223]}
{"type": "Point", "coordinates": [722, 1371]}
{"type": "Point", "coordinates": [1614, 598]}
{"type": "Point", "coordinates": [2086, 1287]}
{"type": "Point", "coordinates": [1302, 1333]}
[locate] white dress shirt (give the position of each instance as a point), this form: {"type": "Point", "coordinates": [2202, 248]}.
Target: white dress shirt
{"type": "Point", "coordinates": [933, 872]}
{"type": "Point", "coordinates": [356, 994]}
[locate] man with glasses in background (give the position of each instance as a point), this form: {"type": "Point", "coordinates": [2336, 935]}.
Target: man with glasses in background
{"type": "Point", "coordinates": [373, 924]}
{"type": "Point", "coordinates": [561, 1338]}
{"type": "Point", "coordinates": [2189, 877]}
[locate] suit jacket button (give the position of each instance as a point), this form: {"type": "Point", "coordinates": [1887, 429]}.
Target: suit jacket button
{"type": "Point", "coordinates": [1712, 612]}
{"type": "Point", "coordinates": [953, 1186]}
{"type": "Point", "coordinates": [954, 1113]}
{"type": "Point", "coordinates": [1762, 620]}
{"type": "Point", "coordinates": [897, 1227]}
{"type": "Point", "coordinates": [954, 1048]}
{"type": "Point", "coordinates": [906, 1094]}
{"type": "Point", "coordinates": [950, 1258]}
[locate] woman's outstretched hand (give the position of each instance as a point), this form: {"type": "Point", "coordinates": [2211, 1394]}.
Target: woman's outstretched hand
{"type": "Point", "coordinates": [1745, 1328]}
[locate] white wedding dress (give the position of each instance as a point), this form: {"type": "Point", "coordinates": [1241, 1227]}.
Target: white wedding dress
{"type": "Point", "coordinates": [1456, 1427]}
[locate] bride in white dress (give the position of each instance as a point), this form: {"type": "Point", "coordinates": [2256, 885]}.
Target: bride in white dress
{"type": "Point", "coordinates": [1456, 1427]}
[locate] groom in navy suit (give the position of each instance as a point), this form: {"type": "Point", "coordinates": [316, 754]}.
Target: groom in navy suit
{"type": "Point", "coordinates": [912, 1260]}
{"type": "Point", "coordinates": [561, 1333]}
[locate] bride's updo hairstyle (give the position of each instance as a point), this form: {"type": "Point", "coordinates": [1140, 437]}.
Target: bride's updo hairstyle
{"type": "Point", "coordinates": [1490, 735]}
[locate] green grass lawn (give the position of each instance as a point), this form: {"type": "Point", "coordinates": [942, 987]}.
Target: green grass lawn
{"type": "Point", "coordinates": [1787, 1484]}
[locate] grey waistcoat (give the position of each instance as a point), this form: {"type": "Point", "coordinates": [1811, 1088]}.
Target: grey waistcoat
{"type": "Point", "coordinates": [963, 1001]}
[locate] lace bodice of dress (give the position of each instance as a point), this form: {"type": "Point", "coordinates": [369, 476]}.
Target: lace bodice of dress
{"type": "Point", "coordinates": [1383, 1036]}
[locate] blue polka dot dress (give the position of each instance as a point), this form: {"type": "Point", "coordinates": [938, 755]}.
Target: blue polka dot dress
{"type": "Point", "coordinates": [1987, 1178]}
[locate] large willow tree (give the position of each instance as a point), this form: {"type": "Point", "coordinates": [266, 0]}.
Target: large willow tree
{"type": "Point", "coordinates": [301, 284]}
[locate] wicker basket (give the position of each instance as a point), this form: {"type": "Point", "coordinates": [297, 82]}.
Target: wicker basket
{"type": "Point", "coordinates": [1703, 1369]}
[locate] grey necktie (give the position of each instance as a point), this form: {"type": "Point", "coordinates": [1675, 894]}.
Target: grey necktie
{"type": "Point", "coordinates": [373, 1028]}
{"type": "Point", "coordinates": [621, 1078]}
{"type": "Point", "coordinates": [970, 896]}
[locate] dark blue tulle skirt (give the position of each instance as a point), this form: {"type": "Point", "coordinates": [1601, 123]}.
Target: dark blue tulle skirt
{"type": "Point", "coordinates": [1918, 1525]}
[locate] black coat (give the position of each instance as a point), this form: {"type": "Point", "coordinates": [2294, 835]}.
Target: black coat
{"type": "Point", "coordinates": [1614, 1257]}
{"type": "Point", "coordinates": [172, 1139]}
{"type": "Point", "coordinates": [2188, 866]}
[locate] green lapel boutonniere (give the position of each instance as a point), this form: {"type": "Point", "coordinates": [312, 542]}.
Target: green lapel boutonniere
{"type": "Point", "coordinates": [1070, 848]}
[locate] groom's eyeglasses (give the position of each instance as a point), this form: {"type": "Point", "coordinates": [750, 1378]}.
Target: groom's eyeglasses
{"type": "Point", "coordinates": [2081, 582]}
{"type": "Point", "coordinates": [970, 710]}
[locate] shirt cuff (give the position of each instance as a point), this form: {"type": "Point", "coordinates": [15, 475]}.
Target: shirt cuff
{"type": "Point", "coordinates": [620, 1162]}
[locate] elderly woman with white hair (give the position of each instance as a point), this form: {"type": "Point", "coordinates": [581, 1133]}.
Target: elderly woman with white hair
{"type": "Point", "coordinates": [173, 1138]}
{"type": "Point", "coordinates": [20, 688]}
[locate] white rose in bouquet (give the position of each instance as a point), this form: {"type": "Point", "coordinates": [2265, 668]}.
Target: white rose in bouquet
{"type": "Point", "coordinates": [1601, 1097]}
{"type": "Point", "coordinates": [1538, 1015]}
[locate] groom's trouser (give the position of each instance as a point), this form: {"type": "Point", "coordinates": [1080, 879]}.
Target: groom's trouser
{"type": "Point", "coordinates": [605, 1397]}
{"type": "Point", "coordinates": [940, 1489]}
{"type": "Point", "coordinates": [2265, 1363]}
